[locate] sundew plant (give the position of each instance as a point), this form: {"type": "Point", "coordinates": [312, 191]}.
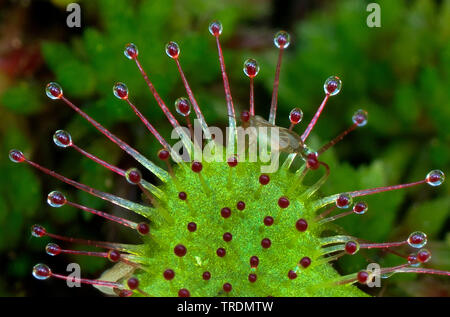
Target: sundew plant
{"type": "Point", "coordinates": [256, 207]}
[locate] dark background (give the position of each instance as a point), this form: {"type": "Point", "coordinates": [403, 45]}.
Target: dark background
{"type": "Point", "coordinates": [399, 73]}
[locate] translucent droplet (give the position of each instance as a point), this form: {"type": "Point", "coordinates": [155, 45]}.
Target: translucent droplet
{"type": "Point", "coordinates": [282, 39]}
{"type": "Point", "coordinates": [344, 201]}
{"type": "Point", "coordinates": [423, 255]}
{"type": "Point", "coordinates": [62, 138]}
{"type": "Point", "coordinates": [53, 249]}
{"type": "Point", "coordinates": [38, 231]}
{"type": "Point", "coordinates": [133, 176]}
{"type": "Point", "coordinates": [412, 260]}
{"type": "Point", "coordinates": [120, 90]}
{"type": "Point", "coordinates": [16, 156]}
{"type": "Point", "coordinates": [172, 50]}
{"type": "Point", "coordinates": [360, 208]}
{"type": "Point", "coordinates": [387, 275]}
{"type": "Point", "coordinates": [56, 199]}
{"type": "Point", "coordinates": [435, 178]}
{"type": "Point", "coordinates": [131, 51]}
{"type": "Point", "coordinates": [332, 85]}
{"type": "Point", "coordinates": [251, 68]}
{"type": "Point", "coordinates": [360, 118]}
{"type": "Point", "coordinates": [41, 271]}
{"type": "Point", "coordinates": [296, 115]}
{"type": "Point", "coordinates": [215, 28]}
{"type": "Point", "coordinates": [53, 90]}
{"type": "Point", "coordinates": [183, 106]}
{"type": "Point", "coordinates": [417, 239]}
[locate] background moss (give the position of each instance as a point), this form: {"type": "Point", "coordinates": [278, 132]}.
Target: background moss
{"type": "Point", "coordinates": [399, 73]}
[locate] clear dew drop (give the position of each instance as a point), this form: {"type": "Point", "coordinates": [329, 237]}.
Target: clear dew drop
{"type": "Point", "coordinates": [53, 90]}
{"type": "Point", "coordinates": [131, 51]}
{"type": "Point", "coordinates": [251, 67]}
{"type": "Point", "coordinates": [62, 138]}
{"type": "Point", "coordinates": [120, 90]}
{"type": "Point", "coordinates": [182, 106]}
{"type": "Point", "coordinates": [56, 199]}
{"type": "Point", "coordinates": [215, 28]}
{"type": "Point", "coordinates": [296, 115]}
{"type": "Point", "coordinates": [332, 85]}
{"type": "Point", "coordinates": [360, 118]}
{"type": "Point", "coordinates": [344, 201]}
{"type": "Point", "coordinates": [16, 156]}
{"type": "Point", "coordinates": [41, 271]}
{"type": "Point", "coordinates": [417, 239]}
{"type": "Point", "coordinates": [282, 39]}
{"type": "Point", "coordinates": [172, 50]}
{"type": "Point", "coordinates": [435, 178]}
{"type": "Point", "coordinates": [53, 249]}
{"type": "Point", "coordinates": [360, 208]}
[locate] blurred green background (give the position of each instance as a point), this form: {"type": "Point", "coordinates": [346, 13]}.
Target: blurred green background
{"type": "Point", "coordinates": [399, 73]}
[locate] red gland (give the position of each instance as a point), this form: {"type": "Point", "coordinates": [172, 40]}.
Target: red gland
{"type": "Point", "coordinates": [232, 161]}
{"type": "Point", "coordinates": [113, 255]}
{"type": "Point", "coordinates": [163, 154]}
{"type": "Point", "coordinates": [180, 250]}
{"type": "Point", "coordinates": [53, 249]}
{"type": "Point", "coordinates": [351, 247]}
{"type": "Point", "coordinates": [62, 138]}
{"type": "Point", "coordinates": [215, 28]}
{"type": "Point", "coordinates": [16, 156]}
{"type": "Point", "coordinates": [196, 167]}
{"type": "Point", "coordinates": [283, 202]}
{"type": "Point", "coordinates": [169, 274]}
{"type": "Point", "coordinates": [362, 277]}
{"type": "Point", "coordinates": [192, 226]}
{"type": "Point", "coordinates": [252, 278]}
{"type": "Point", "coordinates": [332, 86]}
{"type": "Point", "coordinates": [41, 271]}
{"type": "Point", "coordinates": [266, 243]}
{"type": "Point", "coordinates": [124, 293]}
{"type": "Point", "coordinates": [295, 116]}
{"type": "Point", "coordinates": [423, 256]}
{"type": "Point", "coordinates": [251, 68]}
{"type": "Point", "coordinates": [143, 228]}
{"type": "Point", "coordinates": [264, 179]}
{"type": "Point", "coordinates": [221, 252]}
{"type": "Point", "coordinates": [38, 231]}
{"type": "Point", "coordinates": [292, 275]}
{"type": "Point", "coordinates": [134, 176]}
{"type": "Point", "coordinates": [120, 91]}
{"type": "Point", "coordinates": [254, 261]}
{"type": "Point", "coordinates": [227, 287]}
{"type": "Point", "coordinates": [182, 106]}
{"type": "Point", "coordinates": [245, 116]}
{"type": "Point", "coordinates": [172, 49]}
{"type": "Point", "coordinates": [131, 51]}
{"type": "Point", "coordinates": [56, 199]}
{"type": "Point", "coordinates": [53, 90]}
{"type": "Point", "coordinates": [225, 212]}
{"type": "Point", "coordinates": [227, 237]}
{"type": "Point", "coordinates": [343, 201]}
{"type": "Point", "coordinates": [240, 205]}
{"type": "Point", "coordinates": [305, 262]}
{"type": "Point", "coordinates": [183, 293]}
{"type": "Point", "coordinates": [412, 259]}
{"type": "Point", "coordinates": [182, 195]}
{"type": "Point", "coordinates": [133, 283]}
{"type": "Point", "coordinates": [206, 275]}
{"type": "Point", "coordinates": [311, 161]}
{"type": "Point", "coordinates": [268, 221]}
{"type": "Point", "coordinates": [301, 225]}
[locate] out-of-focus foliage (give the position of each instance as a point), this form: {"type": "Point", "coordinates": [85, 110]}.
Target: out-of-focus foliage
{"type": "Point", "coordinates": [399, 73]}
